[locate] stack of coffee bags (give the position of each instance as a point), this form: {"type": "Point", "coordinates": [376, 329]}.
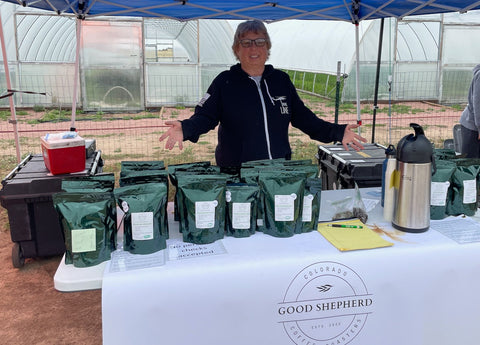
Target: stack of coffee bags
{"type": "Point", "coordinates": [143, 197]}
{"type": "Point", "coordinates": [87, 215]}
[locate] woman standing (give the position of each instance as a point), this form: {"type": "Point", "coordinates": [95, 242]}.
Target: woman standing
{"type": "Point", "coordinates": [254, 104]}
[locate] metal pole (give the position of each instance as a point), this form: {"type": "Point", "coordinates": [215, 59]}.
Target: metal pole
{"type": "Point", "coordinates": [13, 119]}
{"type": "Point", "coordinates": [357, 52]}
{"type": "Point", "coordinates": [77, 70]}
{"type": "Point", "coordinates": [337, 91]}
{"type": "Point", "coordinates": [377, 77]}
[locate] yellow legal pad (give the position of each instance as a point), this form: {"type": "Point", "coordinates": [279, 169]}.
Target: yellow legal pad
{"type": "Point", "coordinates": [352, 238]}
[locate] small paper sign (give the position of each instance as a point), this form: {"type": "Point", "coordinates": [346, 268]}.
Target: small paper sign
{"type": "Point", "coordinates": [181, 250]}
{"type": "Point", "coordinates": [84, 240]}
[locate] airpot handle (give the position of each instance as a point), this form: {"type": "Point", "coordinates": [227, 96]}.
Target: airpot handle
{"type": "Point", "coordinates": [417, 128]}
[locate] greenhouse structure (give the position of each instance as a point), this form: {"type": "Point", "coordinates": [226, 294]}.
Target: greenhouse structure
{"type": "Point", "coordinates": [152, 63]}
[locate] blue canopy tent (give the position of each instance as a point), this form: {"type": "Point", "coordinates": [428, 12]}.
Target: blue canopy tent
{"type": "Point", "coordinates": [269, 11]}
{"type": "Point", "coordinates": [353, 11]}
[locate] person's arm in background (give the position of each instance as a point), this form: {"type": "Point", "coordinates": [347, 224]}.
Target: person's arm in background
{"type": "Point", "coordinates": [204, 119]}
{"type": "Point", "coordinates": [476, 98]}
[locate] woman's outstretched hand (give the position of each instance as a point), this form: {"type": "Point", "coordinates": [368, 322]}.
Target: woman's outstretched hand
{"type": "Point", "coordinates": [173, 135]}
{"type": "Point", "coordinates": [352, 139]}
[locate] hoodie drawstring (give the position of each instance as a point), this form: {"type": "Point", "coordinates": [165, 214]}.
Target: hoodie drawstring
{"type": "Point", "coordinates": [265, 121]}
{"type": "Point", "coordinates": [268, 92]}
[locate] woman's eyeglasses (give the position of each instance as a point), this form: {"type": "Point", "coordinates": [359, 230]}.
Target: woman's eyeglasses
{"type": "Point", "coordinates": [259, 42]}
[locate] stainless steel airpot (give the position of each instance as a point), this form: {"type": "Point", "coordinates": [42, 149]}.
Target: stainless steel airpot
{"type": "Point", "coordinates": [413, 179]}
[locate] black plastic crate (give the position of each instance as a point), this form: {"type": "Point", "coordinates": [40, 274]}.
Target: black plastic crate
{"type": "Point", "coordinates": [27, 196]}
{"type": "Point", "coordinates": [341, 169]}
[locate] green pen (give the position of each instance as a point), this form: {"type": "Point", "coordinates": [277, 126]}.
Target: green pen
{"type": "Point", "coordinates": [345, 226]}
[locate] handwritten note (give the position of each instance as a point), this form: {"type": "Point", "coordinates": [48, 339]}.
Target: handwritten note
{"type": "Point", "coordinates": [181, 250]}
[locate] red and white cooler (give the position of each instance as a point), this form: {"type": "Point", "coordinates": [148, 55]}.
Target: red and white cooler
{"type": "Point", "coordinates": [63, 153]}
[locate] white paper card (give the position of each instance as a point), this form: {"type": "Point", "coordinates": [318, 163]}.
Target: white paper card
{"type": "Point", "coordinates": [142, 226]}
{"type": "Point", "coordinates": [307, 208]}
{"type": "Point", "coordinates": [461, 230]}
{"type": "Point", "coordinates": [438, 193]}
{"type": "Point", "coordinates": [205, 214]}
{"type": "Point", "coordinates": [84, 240]}
{"type": "Point", "coordinates": [285, 207]}
{"type": "Point", "coordinates": [180, 250]}
{"type": "Point", "coordinates": [122, 261]}
{"type": "Point", "coordinates": [241, 215]}
{"type": "Point", "coordinates": [469, 191]}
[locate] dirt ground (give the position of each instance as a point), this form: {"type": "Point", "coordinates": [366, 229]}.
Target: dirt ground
{"type": "Point", "coordinates": [33, 312]}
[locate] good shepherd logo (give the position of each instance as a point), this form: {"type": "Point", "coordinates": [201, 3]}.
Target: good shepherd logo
{"type": "Point", "coordinates": [326, 303]}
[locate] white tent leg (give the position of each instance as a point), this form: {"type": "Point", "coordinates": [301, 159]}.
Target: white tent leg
{"type": "Point", "coordinates": [76, 77]}
{"type": "Point", "coordinates": [357, 75]}
{"type": "Point", "coordinates": [13, 119]}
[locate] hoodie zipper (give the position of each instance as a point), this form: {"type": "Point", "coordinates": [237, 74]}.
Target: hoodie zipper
{"type": "Point", "coordinates": [265, 121]}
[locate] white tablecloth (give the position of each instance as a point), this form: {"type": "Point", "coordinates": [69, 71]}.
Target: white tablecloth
{"type": "Point", "coordinates": [425, 289]}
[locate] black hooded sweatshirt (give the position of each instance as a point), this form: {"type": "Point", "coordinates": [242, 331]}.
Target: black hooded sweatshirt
{"type": "Point", "coordinates": [254, 117]}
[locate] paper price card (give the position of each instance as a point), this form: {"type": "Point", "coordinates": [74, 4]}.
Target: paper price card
{"type": "Point", "coordinates": [142, 226]}
{"type": "Point", "coordinates": [205, 214]}
{"type": "Point", "coordinates": [285, 207]}
{"type": "Point", "coordinates": [241, 215]}
{"type": "Point", "coordinates": [84, 240]}
{"type": "Point", "coordinates": [469, 191]}
{"type": "Point", "coordinates": [352, 238]}
{"type": "Point", "coordinates": [307, 208]}
{"type": "Point", "coordinates": [438, 193]}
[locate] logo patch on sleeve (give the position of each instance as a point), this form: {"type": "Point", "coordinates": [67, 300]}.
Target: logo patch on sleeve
{"type": "Point", "coordinates": [204, 99]}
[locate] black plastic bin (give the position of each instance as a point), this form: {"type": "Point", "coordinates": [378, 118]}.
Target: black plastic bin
{"type": "Point", "coordinates": [27, 196]}
{"type": "Point", "coordinates": [341, 169]}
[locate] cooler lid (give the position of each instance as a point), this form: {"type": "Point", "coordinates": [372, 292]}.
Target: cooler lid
{"type": "Point", "coordinates": [62, 140]}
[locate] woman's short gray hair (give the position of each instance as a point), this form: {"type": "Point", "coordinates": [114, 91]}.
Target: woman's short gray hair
{"type": "Point", "coordinates": [244, 28]}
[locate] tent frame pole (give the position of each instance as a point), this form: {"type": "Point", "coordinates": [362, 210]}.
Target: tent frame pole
{"type": "Point", "coordinates": [377, 78]}
{"type": "Point", "coordinates": [13, 119]}
{"type": "Point", "coordinates": [78, 27]}
{"type": "Point", "coordinates": [357, 80]}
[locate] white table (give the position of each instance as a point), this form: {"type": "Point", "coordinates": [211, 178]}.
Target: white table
{"type": "Point", "coordinates": [301, 290]}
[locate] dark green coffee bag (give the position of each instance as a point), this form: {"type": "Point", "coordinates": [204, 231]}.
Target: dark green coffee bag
{"type": "Point", "coordinates": [94, 183]}
{"type": "Point", "coordinates": [263, 162]}
{"type": "Point", "coordinates": [241, 209]}
{"type": "Point", "coordinates": [444, 154]}
{"type": "Point", "coordinates": [283, 197]}
{"type": "Point", "coordinates": [202, 207]}
{"type": "Point", "coordinates": [145, 225]}
{"type": "Point", "coordinates": [135, 178]}
{"type": "Point", "coordinates": [174, 168]}
{"type": "Point", "coordinates": [311, 170]}
{"type": "Point", "coordinates": [141, 165]}
{"type": "Point", "coordinates": [297, 162]}
{"type": "Point", "coordinates": [441, 182]}
{"type": "Point", "coordinates": [132, 177]}
{"type": "Point", "coordinates": [463, 194]}
{"type": "Point", "coordinates": [250, 171]}
{"type": "Point", "coordinates": [89, 223]}
{"type": "Point", "coordinates": [196, 171]}
{"type": "Point", "coordinates": [311, 205]}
